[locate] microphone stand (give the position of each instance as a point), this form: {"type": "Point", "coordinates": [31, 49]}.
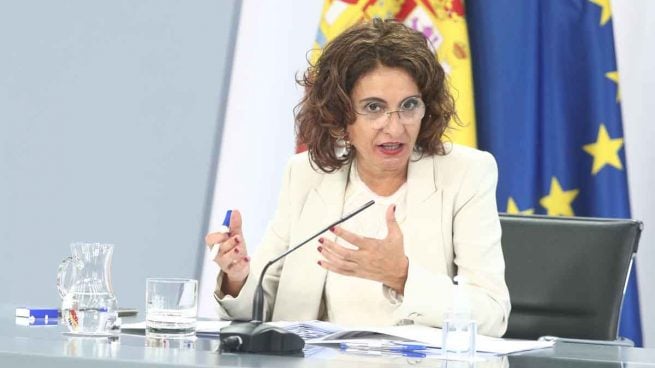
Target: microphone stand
{"type": "Point", "coordinates": [257, 337]}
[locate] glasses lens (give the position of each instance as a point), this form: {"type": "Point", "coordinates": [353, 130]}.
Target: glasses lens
{"type": "Point", "coordinates": [412, 116]}
{"type": "Point", "coordinates": [375, 116]}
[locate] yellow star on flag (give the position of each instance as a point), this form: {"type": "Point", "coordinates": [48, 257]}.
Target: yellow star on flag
{"type": "Point", "coordinates": [614, 77]}
{"type": "Point", "coordinates": [558, 201]}
{"type": "Point", "coordinates": [513, 208]}
{"type": "Point", "coordinates": [605, 151]}
{"type": "Point", "coordinates": [606, 10]}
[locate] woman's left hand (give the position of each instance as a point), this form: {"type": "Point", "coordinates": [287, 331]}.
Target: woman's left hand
{"type": "Point", "coordinates": [382, 260]}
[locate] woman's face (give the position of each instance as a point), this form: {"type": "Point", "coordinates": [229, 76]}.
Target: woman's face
{"type": "Point", "coordinates": [384, 142]}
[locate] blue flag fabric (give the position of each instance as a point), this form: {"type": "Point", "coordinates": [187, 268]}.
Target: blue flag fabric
{"type": "Point", "coordinates": [548, 108]}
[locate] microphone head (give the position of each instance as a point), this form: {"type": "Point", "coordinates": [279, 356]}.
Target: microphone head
{"type": "Point", "coordinates": [256, 337]}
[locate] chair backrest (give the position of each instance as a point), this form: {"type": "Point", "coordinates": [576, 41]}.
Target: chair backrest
{"type": "Point", "coordinates": [567, 275]}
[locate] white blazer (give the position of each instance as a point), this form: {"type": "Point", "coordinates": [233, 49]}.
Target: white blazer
{"type": "Point", "coordinates": [451, 227]}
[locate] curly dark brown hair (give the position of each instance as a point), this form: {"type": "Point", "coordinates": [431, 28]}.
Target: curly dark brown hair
{"type": "Point", "coordinates": [326, 108]}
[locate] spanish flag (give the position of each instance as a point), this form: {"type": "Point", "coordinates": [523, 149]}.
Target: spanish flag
{"type": "Point", "coordinates": [441, 21]}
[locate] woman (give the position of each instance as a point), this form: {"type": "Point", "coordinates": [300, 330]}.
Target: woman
{"type": "Point", "coordinates": [375, 110]}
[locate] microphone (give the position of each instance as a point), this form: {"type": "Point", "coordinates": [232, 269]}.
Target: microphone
{"type": "Point", "coordinates": [257, 337]}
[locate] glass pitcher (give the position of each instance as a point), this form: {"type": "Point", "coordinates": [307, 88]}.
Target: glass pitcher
{"type": "Point", "coordinates": [84, 282]}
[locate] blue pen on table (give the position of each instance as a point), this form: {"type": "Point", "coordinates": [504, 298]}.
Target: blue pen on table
{"type": "Point", "coordinates": [376, 352]}
{"type": "Point", "coordinates": [383, 345]}
{"type": "Point", "coordinates": [27, 312]}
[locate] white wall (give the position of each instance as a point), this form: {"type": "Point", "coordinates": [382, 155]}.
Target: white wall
{"type": "Point", "coordinates": [258, 135]}
{"type": "Point", "coordinates": [634, 32]}
{"type": "Point", "coordinates": [108, 114]}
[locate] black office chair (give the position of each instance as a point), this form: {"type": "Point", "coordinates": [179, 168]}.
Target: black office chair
{"type": "Point", "coordinates": [567, 275]}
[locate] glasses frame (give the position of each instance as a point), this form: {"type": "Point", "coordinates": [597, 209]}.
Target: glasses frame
{"type": "Point", "coordinates": [379, 122]}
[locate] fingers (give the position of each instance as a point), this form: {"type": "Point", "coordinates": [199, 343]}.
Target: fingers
{"type": "Point", "coordinates": [220, 244]}
{"type": "Point", "coordinates": [393, 229]}
{"type": "Point", "coordinates": [213, 242]}
{"type": "Point", "coordinates": [343, 269]}
{"type": "Point", "coordinates": [334, 248]}
{"type": "Point", "coordinates": [236, 223]}
{"type": "Point", "coordinates": [213, 251]}
{"type": "Point", "coordinates": [352, 238]}
{"type": "Point", "coordinates": [229, 254]}
{"type": "Point", "coordinates": [337, 258]}
{"type": "Point", "coordinates": [237, 265]}
{"type": "Point", "coordinates": [334, 263]}
{"type": "Point", "coordinates": [232, 244]}
{"type": "Point", "coordinates": [228, 249]}
{"type": "Point", "coordinates": [215, 238]}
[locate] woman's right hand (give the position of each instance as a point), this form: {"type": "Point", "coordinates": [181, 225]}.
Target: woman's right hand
{"type": "Point", "coordinates": [232, 256]}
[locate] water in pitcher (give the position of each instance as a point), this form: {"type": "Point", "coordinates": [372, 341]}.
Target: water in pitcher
{"type": "Point", "coordinates": [89, 313]}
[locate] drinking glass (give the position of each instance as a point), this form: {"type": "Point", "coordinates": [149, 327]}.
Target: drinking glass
{"type": "Point", "coordinates": [171, 307]}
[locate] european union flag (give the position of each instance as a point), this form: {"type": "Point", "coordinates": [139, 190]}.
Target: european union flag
{"type": "Point", "coordinates": [548, 108]}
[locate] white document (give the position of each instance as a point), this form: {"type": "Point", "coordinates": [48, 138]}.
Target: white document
{"type": "Point", "coordinates": [431, 337]}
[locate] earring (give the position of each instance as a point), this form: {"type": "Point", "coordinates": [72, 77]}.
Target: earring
{"type": "Point", "coordinates": [342, 148]}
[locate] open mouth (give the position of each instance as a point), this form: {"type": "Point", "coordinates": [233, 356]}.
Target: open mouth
{"type": "Point", "coordinates": [391, 148]}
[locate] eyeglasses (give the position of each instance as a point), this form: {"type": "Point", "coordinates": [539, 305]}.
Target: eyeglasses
{"type": "Point", "coordinates": [410, 112]}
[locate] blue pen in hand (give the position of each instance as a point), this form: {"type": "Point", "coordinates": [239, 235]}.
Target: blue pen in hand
{"type": "Point", "coordinates": [225, 229]}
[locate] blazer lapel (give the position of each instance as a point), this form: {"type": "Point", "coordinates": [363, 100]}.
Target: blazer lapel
{"type": "Point", "coordinates": [423, 228]}
{"type": "Point", "coordinates": [420, 181]}
{"type": "Point", "coordinates": [302, 281]}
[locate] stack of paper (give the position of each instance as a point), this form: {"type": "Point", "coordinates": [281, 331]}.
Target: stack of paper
{"type": "Point", "coordinates": [429, 336]}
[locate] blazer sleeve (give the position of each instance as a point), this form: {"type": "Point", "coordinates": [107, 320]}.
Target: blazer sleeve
{"type": "Point", "coordinates": [274, 243]}
{"type": "Point", "coordinates": [477, 256]}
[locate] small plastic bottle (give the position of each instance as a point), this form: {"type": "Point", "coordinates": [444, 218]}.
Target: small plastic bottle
{"type": "Point", "coordinates": [459, 327]}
